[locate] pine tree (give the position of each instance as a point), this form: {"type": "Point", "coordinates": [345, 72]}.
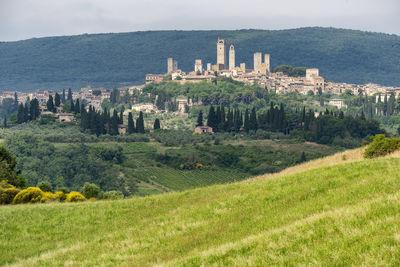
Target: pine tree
{"type": "Point", "coordinates": [57, 100]}
{"type": "Point", "coordinates": [131, 124]}
{"type": "Point", "coordinates": [140, 123]}
{"type": "Point", "coordinates": [157, 125]}
{"type": "Point", "coordinates": [63, 97]}
{"type": "Point", "coordinates": [69, 95]}
{"type": "Point", "coordinates": [200, 119]}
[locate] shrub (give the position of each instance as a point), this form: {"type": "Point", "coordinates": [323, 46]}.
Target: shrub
{"type": "Point", "coordinates": [113, 195]}
{"type": "Point", "coordinates": [74, 197]}
{"type": "Point", "coordinates": [45, 186]}
{"type": "Point", "coordinates": [90, 190]}
{"type": "Point", "coordinates": [29, 195]}
{"type": "Point", "coordinates": [60, 195]}
{"type": "Point", "coordinates": [381, 146]}
{"type": "Point", "coordinates": [7, 192]}
{"type": "Point", "coordinates": [48, 196]}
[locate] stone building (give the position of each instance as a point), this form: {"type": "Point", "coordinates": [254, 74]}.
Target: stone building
{"type": "Point", "coordinates": [203, 129]}
{"type": "Point", "coordinates": [261, 67]}
{"type": "Point", "coordinates": [198, 66]}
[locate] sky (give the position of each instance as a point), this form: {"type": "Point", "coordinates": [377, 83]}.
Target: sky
{"type": "Point", "coordinates": [24, 19]}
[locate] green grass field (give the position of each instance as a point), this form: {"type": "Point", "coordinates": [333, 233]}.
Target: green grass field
{"type": "Point", "coordinates": [342, 214]}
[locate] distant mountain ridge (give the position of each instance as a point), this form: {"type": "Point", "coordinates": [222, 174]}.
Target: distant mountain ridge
{"type": "Point", "coordinates": [118, 59]}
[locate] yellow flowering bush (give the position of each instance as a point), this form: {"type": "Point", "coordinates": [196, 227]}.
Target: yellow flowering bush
{"type": "Point", "coordinates": [29, 195]}
{"type": "Point", "coordinates": [7, 192]}
{"type": "Point", "coordinates": [74, 197]}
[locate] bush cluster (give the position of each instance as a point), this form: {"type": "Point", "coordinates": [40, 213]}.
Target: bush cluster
{"type": "Point", "coordinates": [381, 146]}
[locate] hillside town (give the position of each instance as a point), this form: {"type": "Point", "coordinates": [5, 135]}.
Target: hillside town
{"type": "Point", "coordinates": [260, 74]}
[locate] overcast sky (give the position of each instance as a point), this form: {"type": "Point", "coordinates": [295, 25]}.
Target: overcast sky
{"type": "Point", "coordinates": [23, 19]}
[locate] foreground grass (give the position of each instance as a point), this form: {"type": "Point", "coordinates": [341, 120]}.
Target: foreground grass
{"type": "Point", "coordinates": [344, 214]}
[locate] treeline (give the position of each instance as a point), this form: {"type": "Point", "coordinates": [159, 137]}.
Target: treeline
{"type": "Point", "coordinates": [102, 122]}
{"type": "Point", "coordinates": [326, 128]}
{"type": "Point", "coordinates": [234, 120]}
{"type": "Point", "coordinates": [28, 112]}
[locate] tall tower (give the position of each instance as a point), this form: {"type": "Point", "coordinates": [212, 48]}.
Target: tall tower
{"type": "Point", "coordinates": [267, 62]}
{"type": "Point", "coordinates": [231, 57]}
{"type": "Point", "coordinates": [172, 65]}
{"type": "Point", "coordinates": [257, 62]}
{"type": "Point", "coordinates": [221, 53]}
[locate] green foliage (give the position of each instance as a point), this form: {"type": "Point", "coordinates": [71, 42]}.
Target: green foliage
{"type": "Point", "coordinates": [335, 52]}
{"type": "Point", "coordinates": [8, 171]}
{"type": "Point", "coordinates": [90, 190]}
{"type": "Point", "coordinates": [45, 186]}
{"type": "Point", "coordinates": [381, 146]}
{"type": "Point", "coordinates": [290, 71]}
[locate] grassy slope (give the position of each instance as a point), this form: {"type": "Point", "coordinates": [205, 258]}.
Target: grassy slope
{"type": "Point", "coordinates": [341, 214]}
{"type": "Point", "coordinates": [124, 58]}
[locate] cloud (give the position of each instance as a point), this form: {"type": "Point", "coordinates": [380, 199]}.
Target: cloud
{"type": "Point", "coordinates": [22, 19]}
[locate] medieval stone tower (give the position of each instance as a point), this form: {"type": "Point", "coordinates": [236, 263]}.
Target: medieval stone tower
{"type": "Point", "coordinates": [221, 53]}
{"type": "Point", "coordinates": [231, 57]}
{"type": "Point", "coordinates": [172, 65]}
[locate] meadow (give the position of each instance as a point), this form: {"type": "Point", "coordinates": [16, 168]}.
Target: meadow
{"type": "Point", "coordinates": [340, 210]}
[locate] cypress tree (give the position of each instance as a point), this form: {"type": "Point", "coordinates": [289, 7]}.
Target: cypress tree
{"type": "Point", "coordinates": [72, 106]}
{"type": "Point", "coordinates": [200, 119]}
{"type": "Point", "coordinates": [57, 100]}
{"type": "Point", "coordinates": [5, 122]}
{"type": "Point", "coordinates": [26, 113]}
{"type": "Point", "coordinates": [69, 95]}
{"type": "Point", "coordinates": [303, 157]}
{"type": "Point", "coordinates": [77, 107]}
{"type": "Point", "coordinates": [253, 125]}
{"type": "Point", "coordinates": [246, 121]}
{"type": "Point", "coordinates": [140, 123]}
{"type": "Point", "coordinates": [121, 117]}
{"type": "Point", "coordinates": [157, 124]}
{"type": "Point", "coordinates": [20, 114]}
{"type": "Point", "coordinates": [63, 97]}
{"type": "Point", "coordinates": [114, 123]}
{"type": "Point", "coordinates": [131, 124]}
{"type": "Point", "coordinates": [211, 118]}
{"type": "Point", "coordinates": [50, 104]}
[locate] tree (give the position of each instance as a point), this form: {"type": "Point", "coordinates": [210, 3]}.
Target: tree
{"type": "Point", "coordinates": [63, 97]}
{"type": "Point", "coordinates": [20, 114]}
{"type": "Point", "coordinates": [8, 171]}
{"type": "Point", "coordinates": [140, 123]}
{"type": "Point", "coordinates": [253, 125]}
{"type": "Point", "coordinates": [303, 157]}
{"type": "Point", "coordinates": [114, 123]}
{"type": "Point", "coordinates": [57, 100]}
{"type": "Point", "coordinates": [90, 190]}
{"type": "Point", "coordinates": [200, 119]}
{"type": "Point", "coordinates": [157, 124]}
{"type": "Point", "coordinates": [69, 95]}
{"type": "Point", "coordinates": [45, 186]}
{"type": "Point", "coordinates": [50, 104]}
{"type": "Point", "coordinates": [212, 119]}
{"type": "Point", "coordinates": [5, 121]}
{"type": "Point", "coordinates": [246, 121]}
{"type": "Point", "coordinates": [131, 124]}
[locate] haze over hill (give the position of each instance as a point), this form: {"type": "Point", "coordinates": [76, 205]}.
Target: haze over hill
{"type": "Point", "coordinates": [118, 59]}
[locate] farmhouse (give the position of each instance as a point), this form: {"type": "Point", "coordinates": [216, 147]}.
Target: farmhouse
{"type": "Point", "coordinates": [203, 129]}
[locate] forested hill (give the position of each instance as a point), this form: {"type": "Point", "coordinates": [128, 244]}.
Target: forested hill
{"type": "Point", "coordinates": [118, 59]}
